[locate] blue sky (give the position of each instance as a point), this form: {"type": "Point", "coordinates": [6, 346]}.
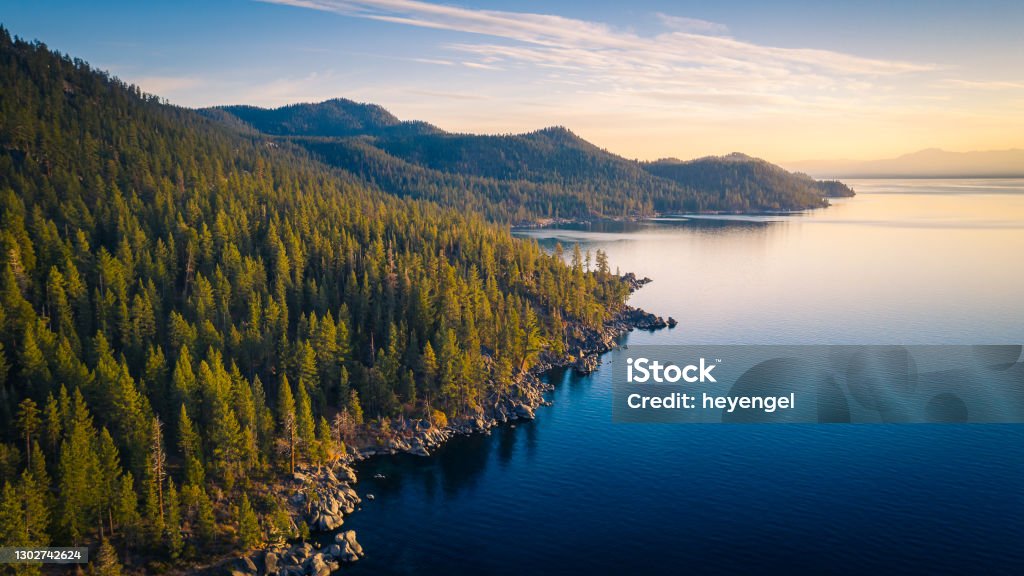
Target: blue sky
{"type": "Point", "coordinates": [783, 80]}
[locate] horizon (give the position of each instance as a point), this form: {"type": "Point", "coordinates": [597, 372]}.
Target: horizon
{"type": "Point", "coordinates": [789, 83]}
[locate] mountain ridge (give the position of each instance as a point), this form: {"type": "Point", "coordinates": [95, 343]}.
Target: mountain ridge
{"type": "Point", "coordinates": [551, 173]}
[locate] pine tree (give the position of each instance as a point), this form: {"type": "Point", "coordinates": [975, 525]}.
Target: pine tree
{"type": "Point", "coordinates": [11, 519]}
{"type": "Point", "coordinates": [307, 369]}
{"type": "Point", "coordinates": [155, 525]}
{"type": "Point", "coordinates": [28, 422]}
{"type": "Point", "coordinates": [36, 517]}
{"type": "Point", "coordinates": [286, 416]}
{"type": "Point", "coordinates": [78, 468]}
{"type": "Point", "coordinates": [324, 441]}
{"type": "Point", "coordinates": [109, 477]}
{"type": "Point", "coordinates": [157, 469]}
{"type": "Point", "coordinates": [183, 380]}
{"type": "Point", "coordinates": [428, 365]}
{"type": "Point", "coordinates": [41, 476]}
{"type": "Point", "coordinates": [248, 525]}
{"type": "Point", "coordinates": [191, 449]}
{"type": "Point", "coordinates": [206, 524]}
{"type": "Point", "coordinates": [175, 544]}
{"type": "Point", "coordinates": [126, 513]}
{"type": "Point", "coordinates": [107, 563]}
{"type": "Point", "coordinates": [34, 371]}
{"type": "Point", "coordinates": [54, 426]}
{"type": "Point", "coordinates": [355, 409]}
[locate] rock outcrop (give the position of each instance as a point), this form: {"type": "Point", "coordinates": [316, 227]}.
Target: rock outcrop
{"type": "Point", "coordinates": [301, 559]}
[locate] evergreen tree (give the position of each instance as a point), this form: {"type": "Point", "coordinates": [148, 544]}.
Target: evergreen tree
{"type": "Point", "coordinates": [355, 409]}
{"type": "Point", "coordinates": [12, 531]}
{"type": "Point", "coordinates": [53, 425]}
{"type": "Point", "coordinates": [28, 422]}
{"type": "Point", "coordinates": [36, 516]}
{"type": "Point", "coordinates": [175, 543]}
{"type": "Point", "coordinates": [287, 419]}
{"type": "Point", "coordinates": [324, 441]}
{"type": "Point", "coordinates": [78, 468]}
{"type": "Point", "coordinates": [191, 449]}
{"type": "Point", "coordinates": [107, 563]}
{"type": "Point", "coordinates": [126, 514]}
{"type": "Point", "coordinates": [157, 472]}
{"type": "Point", "coordinates": [154, 525]}
{"type": "Point", "coordinates": [248, 525]}
{"type": "Point", "coordinates": [109, 477]}
{"type": "Point", "coordinates": [206, 524]}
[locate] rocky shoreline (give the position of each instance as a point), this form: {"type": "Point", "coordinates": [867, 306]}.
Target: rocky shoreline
{"type": "Point", "coordinates": [321, 496]}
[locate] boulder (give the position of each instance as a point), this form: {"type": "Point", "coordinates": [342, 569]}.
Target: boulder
{"type": "Point", "coordinates": [270, 563]}
{"type": "Point", "coordinates": [349, 549]}
{"type": "Point", "coordinates": [345, 474]}
{"type": "Point", "coordinates": [317, 566]}
{"type": "Point", "coordinates": [350, 537]}
{"type": "Point", "coordinates": [524, 411]}
{"type": "Point", "coordinates": [332, 521]}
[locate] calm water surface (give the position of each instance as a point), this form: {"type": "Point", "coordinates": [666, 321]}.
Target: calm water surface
{"type": "Point", "coordinates": [906, 261]}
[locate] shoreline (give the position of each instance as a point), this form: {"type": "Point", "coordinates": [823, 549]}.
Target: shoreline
{"type": "Point", "coordinates": [322, 496]}
{"type": "Point", "coordinates": [548, 223]}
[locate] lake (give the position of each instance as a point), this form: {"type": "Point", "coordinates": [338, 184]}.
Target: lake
{"type": "Point", "coordinates": [904, 262]}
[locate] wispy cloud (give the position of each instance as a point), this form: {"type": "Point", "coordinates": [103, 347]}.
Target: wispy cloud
{"type": "Point", "coordinates": [689, 41]}
{"type": "Point", "coordinates": [696, 25]}
{"type": "Point", "coordinates": [691, 58]}
{"type": "Point", "coordinates": [984, 85]}
{"type": "Point", "coordinates": [480, 66]}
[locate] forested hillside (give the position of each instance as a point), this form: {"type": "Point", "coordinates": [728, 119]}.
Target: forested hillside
{"type": "Point", "coordinates": [550, 173]}
{"type": "Point", "coordinates": [338, 117]}
{"type": "Point", "coordinates": [187, 308]}
{"type": "Point", "coordinates": [748, 183]}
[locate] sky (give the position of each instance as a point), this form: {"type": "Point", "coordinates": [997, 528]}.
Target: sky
{"type": "Point", "coordinates": [785, 80]}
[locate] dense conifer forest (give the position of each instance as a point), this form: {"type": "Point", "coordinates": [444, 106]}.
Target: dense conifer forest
{"type": "Point", "coordinates": [188, 308]}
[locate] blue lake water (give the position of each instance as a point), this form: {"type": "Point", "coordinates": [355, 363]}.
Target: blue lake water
{"type": "Point", "coordinates": [904, 262]}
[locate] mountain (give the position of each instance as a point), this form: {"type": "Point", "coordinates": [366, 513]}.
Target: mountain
{"type": "Point", "coordinates": [188, 304]}
{"type": "Point", "coordinates": [549, 173]}
{"type": "Point", "coordinates": [737, 178]}
{"type": "Point", "coordinates": [337, 117]}
{"type": "Point", "coordinates": [932, 163]}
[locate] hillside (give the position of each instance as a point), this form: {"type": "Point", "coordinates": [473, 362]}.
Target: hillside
{"type": "Point", "coordinates": [739, 180]}
{"type": "Point", "coordinates": [550, 173]}
{"type": "Point", "coordinates": [188, 312]}
{"type": "Point", "coordinates": [338, 117]}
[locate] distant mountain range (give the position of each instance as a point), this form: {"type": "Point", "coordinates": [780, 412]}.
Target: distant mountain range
{"type": "Point", "coordinates": [925, 163]}
{"type": "Point", "coordinates": [549, 173]}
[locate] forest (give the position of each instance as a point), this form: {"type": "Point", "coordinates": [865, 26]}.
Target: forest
{"type": "Point", "coordinates": [188, 307]}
